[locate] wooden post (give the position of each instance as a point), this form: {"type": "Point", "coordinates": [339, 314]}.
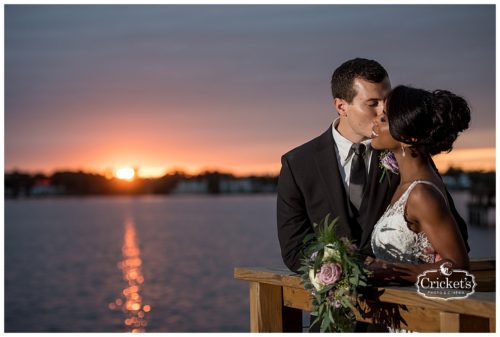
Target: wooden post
{"type": "Point", "coordinates": [266, 308]}
{"type": "Point", "coordinates": [492, 325]}
{"type": "Point", "coordinates": [450, 322]}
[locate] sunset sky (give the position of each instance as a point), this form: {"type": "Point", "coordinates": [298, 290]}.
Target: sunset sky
{"type": "Point", "coordinates": [222, 87]}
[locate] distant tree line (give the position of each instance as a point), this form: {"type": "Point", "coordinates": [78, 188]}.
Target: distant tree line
{"type": "Point", "coordinates": [19, 184]}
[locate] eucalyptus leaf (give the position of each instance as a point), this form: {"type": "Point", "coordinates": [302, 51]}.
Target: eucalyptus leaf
{"type": "Point", "coordinates": [309, 237]}
{"type": "Point", "coordinates": [347, 303]}
{"type": "Point", "coordinates": [321, 309]}
{"type": "Point", "coordinates": [331, 315]}
{"type": "Point", "coordinates": [316, 321]}
{"type": "Point", "coordinates": [325, 324]}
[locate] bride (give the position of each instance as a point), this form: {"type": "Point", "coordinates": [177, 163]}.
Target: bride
{"type": "Point", "coordinates": [417, 232]}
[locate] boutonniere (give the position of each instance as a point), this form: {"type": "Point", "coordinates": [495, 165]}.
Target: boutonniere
{"type": "Point", "coordinates": [388, 162]}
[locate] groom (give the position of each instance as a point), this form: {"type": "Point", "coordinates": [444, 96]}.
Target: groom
{"type": "Point", "coordinates": [338, 172]}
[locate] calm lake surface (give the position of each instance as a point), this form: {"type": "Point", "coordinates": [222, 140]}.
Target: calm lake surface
{"type": "Point", "coordinates": [155, 264]}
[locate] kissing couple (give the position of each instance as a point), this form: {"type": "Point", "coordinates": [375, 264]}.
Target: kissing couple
{"type": "Point", "coordinates": [403, 222]}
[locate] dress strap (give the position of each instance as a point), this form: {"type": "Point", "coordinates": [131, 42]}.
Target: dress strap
{"type": "Point", "coordinates": [415, 183]}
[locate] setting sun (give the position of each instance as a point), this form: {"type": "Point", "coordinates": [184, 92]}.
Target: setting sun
{"type": "Point", "coordinates": [125, 173]}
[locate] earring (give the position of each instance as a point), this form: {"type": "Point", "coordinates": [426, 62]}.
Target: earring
{"type": "Point", "coordinates": [403, 150]}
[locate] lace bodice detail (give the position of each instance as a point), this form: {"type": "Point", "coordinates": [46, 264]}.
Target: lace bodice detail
{"type": "Point", "coordinates": [393, 241]}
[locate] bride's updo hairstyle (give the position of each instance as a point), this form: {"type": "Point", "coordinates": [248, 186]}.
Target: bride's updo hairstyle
{"type": "Point", "coordinates": [428, 121]}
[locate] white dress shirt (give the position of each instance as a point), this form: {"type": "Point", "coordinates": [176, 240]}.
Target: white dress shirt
{"type": "Point", "coordinates": [344, 158]}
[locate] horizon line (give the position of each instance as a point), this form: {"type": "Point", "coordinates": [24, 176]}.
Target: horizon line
{"type": "Point", "coordinates": [482, 159]}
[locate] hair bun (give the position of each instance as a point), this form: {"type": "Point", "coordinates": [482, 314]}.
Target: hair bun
{"type": "Point", "coordinates": [450, 115]}
{"type": "Point", "coordinates": [451, 109]}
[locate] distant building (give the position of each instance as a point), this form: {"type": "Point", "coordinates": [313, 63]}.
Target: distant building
{"type": "Point", "coordinates": [236, 186]}
{"type": "Point", "coordinates": [43, 187]}
{"type": "Point", "coordinates": [457, 182]}
{"type": "Point", "coordinates": [482, 206]}
{"type": "Point", "coordinates": [191, 186]}
{"type": "Point", "coordinates": [225, 185]}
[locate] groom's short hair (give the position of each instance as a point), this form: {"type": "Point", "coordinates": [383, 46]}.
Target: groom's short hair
{"type": "Point", "coordinates": [343, 77]}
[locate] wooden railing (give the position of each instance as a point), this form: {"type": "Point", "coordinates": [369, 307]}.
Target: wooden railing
{"type": "Point", "coordinates": [277, 299]}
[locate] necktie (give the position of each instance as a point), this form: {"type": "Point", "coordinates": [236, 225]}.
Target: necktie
{"type": "Point", "coordinates": [357, 178]}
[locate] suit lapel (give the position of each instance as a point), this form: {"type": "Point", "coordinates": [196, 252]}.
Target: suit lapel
{"type": "Point", "coordinates": [327, 165]}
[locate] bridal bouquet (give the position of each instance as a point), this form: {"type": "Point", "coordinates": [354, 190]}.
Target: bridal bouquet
{"type": "Point", "coordinates": [332, 273]}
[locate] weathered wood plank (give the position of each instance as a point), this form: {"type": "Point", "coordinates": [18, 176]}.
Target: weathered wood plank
{"type": "Point", "coordinates": [274, 276]}
{"type": "Point", "coordinates": [282, 276]}
{"type": "Point", "coordinates": [297, 298]}
{"type": "Point", "coordinates": [481, 304]}
{"type": "Point", "coordinates": [475, 264]}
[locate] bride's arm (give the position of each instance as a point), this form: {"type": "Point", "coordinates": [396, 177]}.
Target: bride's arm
{"type": "Point", "coordinates": [426, 208]}
{"type": "Point", "coordinates": [381, 272]}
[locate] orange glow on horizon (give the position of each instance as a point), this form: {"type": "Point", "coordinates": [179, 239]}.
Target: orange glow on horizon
{"type": "Point", "coordinates": [470, 159]}
{"type": "Point", "coordinates": [478, 159]}
{"type": "Point", "coordinates": [474, 159]}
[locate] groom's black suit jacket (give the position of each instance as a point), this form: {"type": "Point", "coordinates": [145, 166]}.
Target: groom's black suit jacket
{"type": "Point", "coordinates": [310, 187]}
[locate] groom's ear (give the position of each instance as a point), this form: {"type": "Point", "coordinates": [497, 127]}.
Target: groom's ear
{"type": "Point", "coordinates": [340, 105]}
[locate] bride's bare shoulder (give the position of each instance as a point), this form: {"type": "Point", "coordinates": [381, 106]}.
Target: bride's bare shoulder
{"type": "Point", "coordinates": [426, 200]}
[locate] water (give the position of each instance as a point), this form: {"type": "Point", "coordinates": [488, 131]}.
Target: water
{"type": "Point", "coordinates": [76, 264]}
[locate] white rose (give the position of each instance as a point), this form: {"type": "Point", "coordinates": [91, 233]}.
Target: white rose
{"type": "Point", "coordinates": [330, 253]}
{"type": "Point", "coordinates": [315, 281]}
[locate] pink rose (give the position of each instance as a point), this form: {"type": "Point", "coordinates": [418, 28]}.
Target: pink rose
{"type": "Point", "coordinates": [330, 273]}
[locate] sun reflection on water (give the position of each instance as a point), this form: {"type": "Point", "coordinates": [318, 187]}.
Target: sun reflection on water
{"type": "Point", "coordinates": [130, 301]}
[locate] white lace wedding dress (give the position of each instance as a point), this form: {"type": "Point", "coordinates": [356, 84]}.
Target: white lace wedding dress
{"type": "Point", "coordinates": [393, 241]}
